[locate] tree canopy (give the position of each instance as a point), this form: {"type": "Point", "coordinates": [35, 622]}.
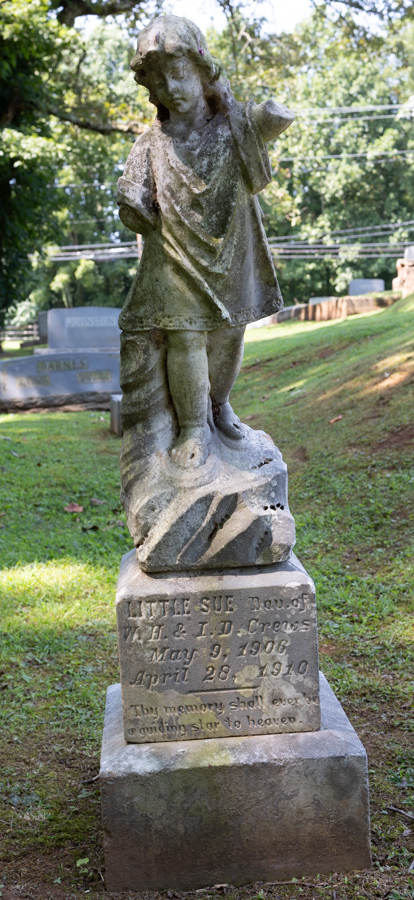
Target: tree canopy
{"type": "Point", "coordinates": [70, 109]}
{"type": "Point", "coordinates": [347, 162]}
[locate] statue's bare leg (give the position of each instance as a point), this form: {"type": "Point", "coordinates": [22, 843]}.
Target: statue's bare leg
{"type": "Point", "coordinates": [188, 382]}
{"type": "Point", "coordinates": [225, 348]}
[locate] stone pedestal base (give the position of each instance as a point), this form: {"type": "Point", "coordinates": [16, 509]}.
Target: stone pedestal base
{"type": "Point", "coordinates": [188, 814]}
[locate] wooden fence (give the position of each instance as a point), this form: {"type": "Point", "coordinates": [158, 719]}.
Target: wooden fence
{"type": "Point", "coordinates": [21, 333]}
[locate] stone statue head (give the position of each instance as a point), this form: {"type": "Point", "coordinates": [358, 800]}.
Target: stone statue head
{"type": "Point", "coordinates": [172, 38]}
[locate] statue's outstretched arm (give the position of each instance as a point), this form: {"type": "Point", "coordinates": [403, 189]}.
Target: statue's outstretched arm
{"type": "Point", "coordinates": [133, 220]}
{"type": "Point", "coordinates": [272, 119]}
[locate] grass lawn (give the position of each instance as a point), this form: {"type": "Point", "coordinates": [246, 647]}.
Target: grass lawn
{"type": "Point", "coordinates": [337, 397]}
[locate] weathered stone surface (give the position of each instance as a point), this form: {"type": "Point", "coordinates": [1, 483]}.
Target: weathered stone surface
{"type": "Point", "coordinates": [318, 309]}
{"type": "Point", "coordinates": [359, 286]}
{"type": "Point", "coordinates": [232, 511]}
{"type": "Point", "coordinates": [190, 185]}
{"type": "Point", "coordinates": [368, 302]}
{"type": "Point", "coordinates": [299, 311]}
{"type": "Point", "coordinates": [404, 281]}
{"type": "Point", "coordinates": [326, 309]}
{"type": "Point", "coordinates": [83, 327]}
{"type": "Point", "coordinates": [34, 380]}
{"type": "Point", "coordinates": [267, 808]}
{"type": "Point", "coordinates": [217, 654]}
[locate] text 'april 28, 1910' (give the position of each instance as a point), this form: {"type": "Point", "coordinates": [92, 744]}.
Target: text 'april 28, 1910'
{"type": "Point", "coordinates": [197, 663]}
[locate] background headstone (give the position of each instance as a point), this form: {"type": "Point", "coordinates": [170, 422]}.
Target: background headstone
{"type": "Point", "coordinates": [115, 410]}
{"type": "Point", "coordinates": [42, 325]}
{"type": "Point", "coordinates": [409, 253]}
{"type": "Point", "coordinates": [83, 327]}
{"type": "Point", "coordinates": [360, 286]}
{"type": "Point", "coordinates": [32, 380]}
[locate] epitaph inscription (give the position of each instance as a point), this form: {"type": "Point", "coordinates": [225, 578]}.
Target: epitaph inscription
{"type": "Point", "coordinates": [216, 655]}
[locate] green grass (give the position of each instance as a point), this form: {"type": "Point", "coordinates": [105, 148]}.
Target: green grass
{"type": "Point", "coordinates": [352, 495]}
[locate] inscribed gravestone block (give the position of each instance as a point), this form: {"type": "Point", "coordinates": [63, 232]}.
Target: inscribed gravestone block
{"type": "Point", "coordinates": [217, 654]}
{"type": "Point", "coordinates": [365, 286]}
{"type": "Point", "coordinates": [87, 326]}
{"type": "Point", "coordinates": [58, 374]}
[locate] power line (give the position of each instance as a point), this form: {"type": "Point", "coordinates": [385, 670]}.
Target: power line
{"type": "Point", "coordinates": [350, 231]}
{"type": "Point", "coordinates": [339, 120]}
{"type": "Point", "coordinates": [346, 240]}
{"type": "Point", "coordinates": [319, 257]}
{"type": "Point", "coordinates": [316, 159]}
{"type": "Point", "coordinates": [322, 252]}
{"type": "Point", "coordinates": [94, 256]}
{"type": "Point", "coordinates": [347, 232]}
{"type": "Point", "coordinates": [295, 245]}
{"type": "Point", "coordinates": [129, 250]}
{"type": "Point", "coordinates": [102, 246]}
{"type": "Point", "coordinates": [359, 118]}
{"type": "Point", "coordinates": [333, 248]}
{"type": "Point", "coordinates": [350, 109]}
{"type": "Point", "coordinates": [93, 184]}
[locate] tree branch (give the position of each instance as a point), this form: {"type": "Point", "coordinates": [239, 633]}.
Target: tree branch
{"type": "Point", "coordinates": [74, 8]}
{"type": "Point", "coordinates": [133, 127]}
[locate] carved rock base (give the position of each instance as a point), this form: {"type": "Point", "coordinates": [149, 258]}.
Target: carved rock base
{"type": "Point", "coordinates": [231, 512]}
{"type": "Point", "coordinates": [235, 810]}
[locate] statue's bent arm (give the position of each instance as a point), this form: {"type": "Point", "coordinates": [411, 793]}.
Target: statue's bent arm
{"type": "Point", "coordinates": [272, 118]}
{"type": "Point", "coordinates": [136, 191]}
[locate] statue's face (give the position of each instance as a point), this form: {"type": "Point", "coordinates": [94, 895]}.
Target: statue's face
{"type": "Point", "coordinates": [177, 84]}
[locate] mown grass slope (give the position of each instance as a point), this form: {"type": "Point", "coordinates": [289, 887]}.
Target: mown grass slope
{"type": "Point", "coordinates": [337, 397]}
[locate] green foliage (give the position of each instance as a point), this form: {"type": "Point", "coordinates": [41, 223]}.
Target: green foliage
{"type": "Point", "coordinates": [30, 45]}
{"type": "Point", "coordinates": [68, 112]}
{"type": "Point", "coordinates": [330, 64]}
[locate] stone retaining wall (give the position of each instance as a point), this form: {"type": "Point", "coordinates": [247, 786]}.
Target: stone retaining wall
{"type": "Point", "coordinates": [336, 307]}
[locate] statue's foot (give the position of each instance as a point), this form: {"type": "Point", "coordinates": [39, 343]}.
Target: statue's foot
{"type": "Point", "coordinates": [190, 449]}
{"type": "Point", "coordinates": [227, 422]}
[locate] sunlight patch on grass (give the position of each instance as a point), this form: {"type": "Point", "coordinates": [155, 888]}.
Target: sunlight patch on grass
{"type": "Point", "coordinates": [293, 386]}
{"type": "Point", "coordinates": [56, 592]}
{"type": "Point", "coordinates": [293, 328]}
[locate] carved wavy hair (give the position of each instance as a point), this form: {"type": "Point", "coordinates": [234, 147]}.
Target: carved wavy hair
{"type": "Point", "coordinates": [175, 36]}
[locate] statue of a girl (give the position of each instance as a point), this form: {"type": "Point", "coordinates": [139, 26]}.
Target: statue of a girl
{"type": "Point", "coordinates": [190, 186]}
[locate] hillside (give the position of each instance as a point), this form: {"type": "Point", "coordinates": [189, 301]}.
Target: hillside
{"type": "Point", "coordinates": [337, 397]}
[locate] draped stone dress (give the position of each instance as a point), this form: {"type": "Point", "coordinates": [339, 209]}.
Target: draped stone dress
{"type": "Point", "coordinates": [206, 263]}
